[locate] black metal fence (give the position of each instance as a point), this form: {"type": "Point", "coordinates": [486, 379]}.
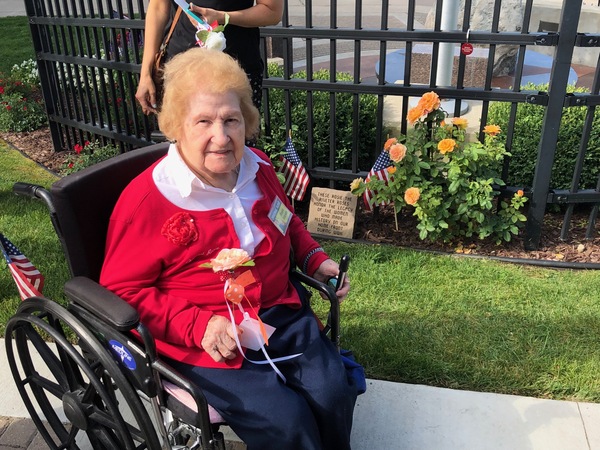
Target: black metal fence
{"type": "Point", "coordinates": [366, 59]}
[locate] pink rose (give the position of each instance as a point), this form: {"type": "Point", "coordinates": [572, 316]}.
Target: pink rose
{"type": "Point", "coordinates": [180, 229]}
{"type": "Point", "coordinates": [229, 259]}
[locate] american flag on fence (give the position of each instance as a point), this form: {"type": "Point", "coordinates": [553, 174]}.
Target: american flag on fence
{"type": "Point", "coordinates": [296, 176]}
{"type": "Point", "coordinates": [379, 171]}
{"type": "Point", "coordinates": [29, 280]}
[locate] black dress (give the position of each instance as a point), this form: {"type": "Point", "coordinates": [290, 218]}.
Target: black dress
{"type": "Point", "coordinates": [242, 43]}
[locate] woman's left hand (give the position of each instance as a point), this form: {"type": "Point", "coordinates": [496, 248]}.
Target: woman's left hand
{"type": "Point", "coordinates": [328, 269]}
{"type": "Point", "coordinates": [208, 15]}
{"type": "Point", "coordinates": [261, 14]}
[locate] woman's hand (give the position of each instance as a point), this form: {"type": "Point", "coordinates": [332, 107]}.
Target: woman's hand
{"type": "Point", "coordinates": [261, 14]}
{"type": "Point", "coordinates": [146, 95]}
{"type": "Point", "coordinates": [329, 268]}
{"type": "Point", "coordinates": [208, 15]}
{"type": "Point", "coordinates": [219, 340]}
{"type": "Point", "coordinates": [157, 17]}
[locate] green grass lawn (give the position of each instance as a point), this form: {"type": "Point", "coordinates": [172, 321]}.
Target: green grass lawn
{"type": "Point", "coordinates": [26, 223]}
{"type": "Point", "coordinates": [411, 317]}
{"type": "Point", "coordinates": [16, 45]}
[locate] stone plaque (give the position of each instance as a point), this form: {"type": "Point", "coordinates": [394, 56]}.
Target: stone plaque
{"type": "Point", "coordinates": [332, 213]}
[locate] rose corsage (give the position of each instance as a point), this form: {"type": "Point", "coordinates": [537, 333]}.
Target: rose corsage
{"type": "Point", "coordinates": [226, 262]}
{"type": "Point", "coordinates": [208, 35]}
{"type": "Point", "coordinates": [211, 35]}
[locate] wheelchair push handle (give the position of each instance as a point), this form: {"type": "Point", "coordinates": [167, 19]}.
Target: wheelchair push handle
{"type": "Point", "coordinates": [34, 191]}
{"type": "Point", "coordinates": [26, 189]}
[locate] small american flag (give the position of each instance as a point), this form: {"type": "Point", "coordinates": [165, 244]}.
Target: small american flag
{"type": "Point", "coordinates": [29, 280]}
{"type": "Point", "coordinates": [379, 171]}
{"type": "Point", "coordinates": [296, 176]}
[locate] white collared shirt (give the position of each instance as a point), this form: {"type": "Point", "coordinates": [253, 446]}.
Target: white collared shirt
{"type": "Point", "coordinates": [184, 189]}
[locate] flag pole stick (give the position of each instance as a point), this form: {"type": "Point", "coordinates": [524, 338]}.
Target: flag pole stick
{"type": "Point", "coordinates": [290, 136]}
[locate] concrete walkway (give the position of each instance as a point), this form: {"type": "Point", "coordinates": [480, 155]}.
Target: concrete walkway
{"type": "Point", "coordinates": [393, 416]}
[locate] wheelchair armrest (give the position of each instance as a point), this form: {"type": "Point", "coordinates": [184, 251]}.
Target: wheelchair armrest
{"type": "Point", "coordinates": [102, 303]}
{"type": "Point", "coordinates": [329, 293]}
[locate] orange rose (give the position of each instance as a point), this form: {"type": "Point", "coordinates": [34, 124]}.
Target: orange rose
{"type": "Point", "coordinates": [411, 196]}
{"type": "Point", "coordinates": [229, 259]}
{"type": "Point", "coordinates": [414, 114]}
{"type": "Point", "coordinates": [491, 130]}
{"type": "Point", "coordinates": [391, 170]}
{"type": "Point", "coordinates": [446, 146]}
{"type": "Point", "coordinates": [520, 192]}
{"type": "Point", "coordinates": [389, 143]}
{"type": "Point", "coordinates": [459, 122]}
{"type": "Point", "coordinates": [430, 101]}
{"type": "Point", "coordinates": [397, 152]}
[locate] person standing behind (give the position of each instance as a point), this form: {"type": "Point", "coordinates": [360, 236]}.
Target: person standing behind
{"type": "Point", "coordinates": [242, 35]}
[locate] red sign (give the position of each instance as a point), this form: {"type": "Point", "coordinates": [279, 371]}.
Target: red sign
{"type": "Point", "coordinates": [466, 48]}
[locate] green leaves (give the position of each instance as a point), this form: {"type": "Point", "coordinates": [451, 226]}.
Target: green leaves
{"type": "Point", "coordinates": [324, 125]}
{"type": "Point", "coordinates": [528, 133]}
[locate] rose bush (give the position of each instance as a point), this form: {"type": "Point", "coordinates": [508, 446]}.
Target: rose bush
{"type": "Point", "coordinates": [21, 105]}
{"type": "Point", "coordinates": [88, 154]}
{"type": "Point", "coordinates": [453, 185]}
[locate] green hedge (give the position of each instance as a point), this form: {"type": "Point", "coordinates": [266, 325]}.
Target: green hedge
{"type": "Point", "coordinates": [367, 122]}
{"type": "Point", "coordinates": [527, 136]}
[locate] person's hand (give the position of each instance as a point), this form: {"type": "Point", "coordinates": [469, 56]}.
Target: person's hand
{"type": "Point", "coordinates": [146, 95]}
{"type": "Point", "coordinates": [219, 340]}
{"type": "Point", "coordinates": [208, 15]}
{"type": "Point", "coordinates": [329, 268]}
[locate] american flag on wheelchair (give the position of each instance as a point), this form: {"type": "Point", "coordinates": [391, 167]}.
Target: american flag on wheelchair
{"type": "Point", "coordinates": [28, 278]}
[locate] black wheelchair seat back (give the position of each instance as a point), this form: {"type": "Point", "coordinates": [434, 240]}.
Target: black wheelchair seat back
{"type": "Point", "coordinates": [84, 202]}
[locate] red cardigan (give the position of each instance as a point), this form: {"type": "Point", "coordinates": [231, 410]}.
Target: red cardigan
{"type": "Point", "coordinates": [174, 296]}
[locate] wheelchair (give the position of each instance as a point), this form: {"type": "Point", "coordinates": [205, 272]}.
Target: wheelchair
{"type": "Point", "coordinates": [89, 373]}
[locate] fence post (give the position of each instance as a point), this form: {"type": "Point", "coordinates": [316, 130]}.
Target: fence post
{"type": "Point", "coordinates": [34, 9]}
{"type": "Point", "coordinates": [547, 148]}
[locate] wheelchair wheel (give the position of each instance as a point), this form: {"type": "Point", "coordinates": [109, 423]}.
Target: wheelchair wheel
{"type": "Point", "coordinates": [76, 394]}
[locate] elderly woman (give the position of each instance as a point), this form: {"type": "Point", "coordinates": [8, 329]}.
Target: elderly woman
{"type": "Point", "coordinates": [211, 195]}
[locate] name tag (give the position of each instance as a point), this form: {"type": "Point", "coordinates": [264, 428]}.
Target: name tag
{"type": "Point", "coordinates": [280, 215]}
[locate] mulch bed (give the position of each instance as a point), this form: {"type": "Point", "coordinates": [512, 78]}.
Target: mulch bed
{"type": "Point", "coordinates": [380, 228]}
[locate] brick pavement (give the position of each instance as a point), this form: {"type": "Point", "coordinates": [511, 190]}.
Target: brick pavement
{"type": "Point", "coordinates": [21, 433]}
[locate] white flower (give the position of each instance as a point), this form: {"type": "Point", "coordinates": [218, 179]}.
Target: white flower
{"type": "Point", "coordinates": [215, 41]}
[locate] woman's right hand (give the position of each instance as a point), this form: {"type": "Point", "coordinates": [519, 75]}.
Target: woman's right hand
{"type": "Point", "coordinates": [157, 17]}
{"type": "Point", "coordinates": [219, 341]}
{"type": "Point", "coordinates": [146, 95]}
